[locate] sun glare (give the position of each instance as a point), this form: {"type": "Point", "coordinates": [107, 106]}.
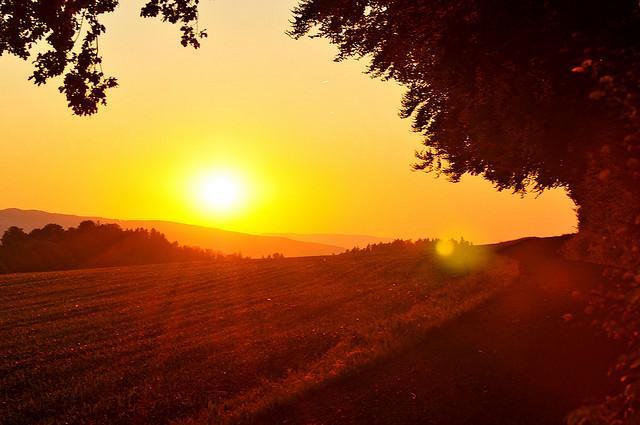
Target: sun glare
{"type": "Point", "coordinates": [221, 192]}
{"type": "Point", "coordinates": [445, 247]}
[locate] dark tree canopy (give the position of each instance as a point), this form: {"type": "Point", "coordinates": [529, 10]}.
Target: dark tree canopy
{"type": "Point", "coordinates": [510, 90]}
{"type": "Point", "coordinates": [70, 29]}
{"type": "Point", "coordinates": [90, 245]}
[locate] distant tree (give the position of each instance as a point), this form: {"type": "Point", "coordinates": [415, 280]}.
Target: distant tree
{"type": "Point", "coordinates": [71, 29]}
{"type": "Point", "coordinates": [87, 226]}
{"type": "Point", "coordinates": [90, 245]}
{"type": "Point", "coordinates": [50, 232]}
{"type": "Point", "coordinates": [13, 236]}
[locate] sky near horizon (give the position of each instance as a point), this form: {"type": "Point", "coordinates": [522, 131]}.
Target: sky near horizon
{"type": "Point", "coordinates": [315, 146]}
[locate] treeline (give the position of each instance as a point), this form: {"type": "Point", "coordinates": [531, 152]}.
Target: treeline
{"type": "Point", "coordinates": [90, 245]}
{"type": "Point", "coordinates": [404, 245]}
{"type": "Point", "coordinates": [453, 257]}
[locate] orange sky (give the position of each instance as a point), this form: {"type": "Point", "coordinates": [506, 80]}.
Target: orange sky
{"type": "Point", "coordinates": [317, 146]}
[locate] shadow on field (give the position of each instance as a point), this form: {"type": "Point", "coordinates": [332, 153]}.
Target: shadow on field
{"type": "Point", "coordinates": [528, 356]}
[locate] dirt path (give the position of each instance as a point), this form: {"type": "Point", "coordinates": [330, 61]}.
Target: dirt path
{"type": "Point", "coordinates": [512, 361]}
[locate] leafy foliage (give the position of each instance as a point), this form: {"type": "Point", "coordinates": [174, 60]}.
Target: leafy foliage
{"type": "Point", "coordinates": [89, 245]}
{"type": "Point", "coordinates": [60, 23]}
{"type": "Point", "coordinates": [614, 308]}
{"type": "Point", "coordinates": [608, 197]}
{"type": "Point", "coordinates": [494, 86]}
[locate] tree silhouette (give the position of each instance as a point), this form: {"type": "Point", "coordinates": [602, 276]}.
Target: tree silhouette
{"type": "Point", "coordinates": [13, 236]}
{"type": "Point", "coordinates": [498, 88]}
{"type": "Point", "coordinates": [91, 245]}
{"type": "Point", "coordinates": [61, 23]}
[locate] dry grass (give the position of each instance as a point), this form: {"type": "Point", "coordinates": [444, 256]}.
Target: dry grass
{"type": "Point", "coordinates": [197, 343]}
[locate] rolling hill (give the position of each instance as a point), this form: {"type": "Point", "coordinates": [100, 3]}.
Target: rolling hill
{"type": "Point", "coordinates": [224, 241]}
{"type": "Point", "coordinates": [347, 241]}
{"type": "Point", "coordinates": [315, 340]}
{"type": "Point", "coordinates": [213, 343]}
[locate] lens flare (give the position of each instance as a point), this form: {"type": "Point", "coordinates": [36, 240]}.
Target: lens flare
{"type": "Point", "coordinates": [445, 248]}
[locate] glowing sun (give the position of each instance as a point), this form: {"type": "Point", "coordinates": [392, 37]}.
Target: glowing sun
{"type": "Point", "coordinates": [221, 192]}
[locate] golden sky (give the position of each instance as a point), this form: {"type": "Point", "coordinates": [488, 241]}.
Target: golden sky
{"type": "Point", "coordinates": [316, 146]}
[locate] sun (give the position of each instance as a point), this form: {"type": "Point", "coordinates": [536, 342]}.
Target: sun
{"type": "Point", "coordinates": [222, 192]}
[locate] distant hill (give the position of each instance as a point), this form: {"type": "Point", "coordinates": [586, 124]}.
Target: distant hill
{"type": "Point", "coordinates": [205, 237]}
{"type": "Point", "coordinates": [347, 241]}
